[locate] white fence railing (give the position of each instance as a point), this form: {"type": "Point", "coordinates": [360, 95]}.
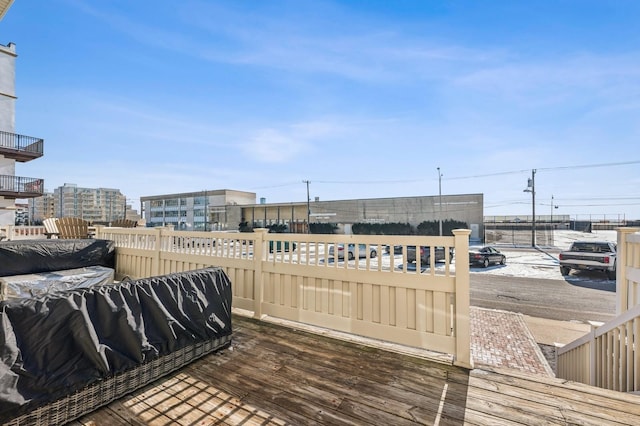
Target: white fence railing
{"type": "Point", "coordinates": [628, 269]}
{"type": "Point", "coordinates": [11, 232]}
{"type": "Point", "coordinates": [609, 356]}
{"type": "Point", "coordinates": [304, 278]}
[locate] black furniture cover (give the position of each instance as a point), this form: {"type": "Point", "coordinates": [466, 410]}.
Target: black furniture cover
{"type": "Point", "coordinates": [32, 256]}
{"type": "Point", "coordinates": [54, 345]}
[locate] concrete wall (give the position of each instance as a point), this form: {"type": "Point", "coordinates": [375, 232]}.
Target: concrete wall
{"type": "Point", "coordinates": [413, 210]}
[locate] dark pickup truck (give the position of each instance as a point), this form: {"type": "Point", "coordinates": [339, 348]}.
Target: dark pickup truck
{"type": "Point", "coordinates": [590, 255]}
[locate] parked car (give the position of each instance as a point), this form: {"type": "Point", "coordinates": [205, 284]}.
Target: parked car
{"type": "Point", "coordinates": [397, 249]}
{"type": "Point", "coordinates": [591, 256]}
{"type": "Point", "coordinates": [425, 254]}
{"type": "Point", "coordinates": [360, 252]}
{"type": "Point", "coordinates": [485, 256]}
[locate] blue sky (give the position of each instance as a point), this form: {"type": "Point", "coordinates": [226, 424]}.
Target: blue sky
{"type": "Point", "coordinates": [364, 99]}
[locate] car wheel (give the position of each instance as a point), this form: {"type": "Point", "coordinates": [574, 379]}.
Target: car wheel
{"type": "Point", "coordinates": [485, 263]}
{"type": "Point", "coordinates": [351, 256]}
{"type": "Point", "coordinates": [373, 254]}
{"type": "Point", "coordinates": [565, 270]}
{"type": "Point", "coordinates": [503, 260]}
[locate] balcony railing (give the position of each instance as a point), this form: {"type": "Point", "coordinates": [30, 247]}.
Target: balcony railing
{"type": "Point", "coordinates": [609, 356]}
{"type": "Point", "coordinates": [20, 147]}
{"type": "Point", "coordinates": [20, 187]}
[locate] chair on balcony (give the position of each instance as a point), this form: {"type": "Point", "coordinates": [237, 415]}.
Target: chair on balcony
{"type": "Point", "coordinates": [73, 227]}
{"type": "Point", "coordinates": [124, 223]}
{"type": "Point", "coordinates": [50, 227]}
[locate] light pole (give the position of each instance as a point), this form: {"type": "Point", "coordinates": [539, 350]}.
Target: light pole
{"type": "Point", "coordinates": [531, 187]}
{"type": "Point", "coordinates": [440, 199]}
{"type": "Point", "coordinates": [308, 207]}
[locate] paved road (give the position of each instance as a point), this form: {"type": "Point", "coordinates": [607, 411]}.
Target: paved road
{"type": "Point", "coordinates": [578, 298]}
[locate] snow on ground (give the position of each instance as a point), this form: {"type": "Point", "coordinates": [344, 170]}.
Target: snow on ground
{"type": "Point", "coordinates": [543, 262]}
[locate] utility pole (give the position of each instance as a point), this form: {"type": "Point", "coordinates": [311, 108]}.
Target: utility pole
{"type": "Point", "coordinates": [440, 199]}
{"type": "Point", "coordinates": [531, 187]}
{"type": "Point", "coordinates": [308, 207]}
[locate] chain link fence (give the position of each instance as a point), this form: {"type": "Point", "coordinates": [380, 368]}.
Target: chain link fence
{"type": "Point", "coordinates": [518, 234]}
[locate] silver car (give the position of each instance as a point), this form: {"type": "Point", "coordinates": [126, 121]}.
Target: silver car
{"type": "Point", "coordinates": [360, 252]}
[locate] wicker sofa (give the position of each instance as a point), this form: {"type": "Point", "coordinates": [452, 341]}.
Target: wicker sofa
{"type": "Point", "coordinates": [71, 351]}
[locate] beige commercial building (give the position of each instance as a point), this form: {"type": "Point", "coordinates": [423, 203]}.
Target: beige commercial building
{"type": "Point", "coordinates": [467, 208]}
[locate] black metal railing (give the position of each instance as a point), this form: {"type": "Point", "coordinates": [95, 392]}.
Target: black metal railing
{"type": "Point", "coordinates": [27, 146]}
{"type": "Point", "coordinates": [20, 187]}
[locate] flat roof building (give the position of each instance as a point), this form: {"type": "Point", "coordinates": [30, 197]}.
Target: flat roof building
{"type": "Point", "coordinates": [206, 210]}
{"type": "Point", "coordinates": [226, 209]}
{"type": "Point", "coordinates": [467, 208]}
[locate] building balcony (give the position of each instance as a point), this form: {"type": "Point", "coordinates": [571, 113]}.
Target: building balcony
{"type": "Point", "coordinates": [20, 187]}
{"type": "Point", "coordinates": [20, 147]}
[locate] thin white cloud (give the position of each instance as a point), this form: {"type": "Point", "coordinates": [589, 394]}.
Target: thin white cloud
{"type": "Point", "coordinates": [360, 50]}
{"type": "Point", "coordinates": [274, 146]}
{"type": "Point", "coordinates": [558, 80]}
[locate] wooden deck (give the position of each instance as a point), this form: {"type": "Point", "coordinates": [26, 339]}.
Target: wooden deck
{"type": "Point", "coordinates": [277, 375]}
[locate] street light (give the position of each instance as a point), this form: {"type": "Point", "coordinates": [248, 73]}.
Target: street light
{"type": "Point", "coordinates": [308, 207]}
{"type": "Point", "coordinates": [440, 199]}
{"type": "Point", "coordinates": [531, 187]}
{"type": "Point", "coordinates": [552, 207]}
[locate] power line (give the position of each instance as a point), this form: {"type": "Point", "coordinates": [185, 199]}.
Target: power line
{"type": "Point", "coordinates": [586, 166]}
{"type": "Point", "coordinates": [369, 182]}
{"type": "Point", "coordinates": [503, 173]}
{"type": "Point", "coordinates": [600, 198]}
{"type": "Point", "coordinates": [583, 166]}
{"type": "Point", "coordinates": [280, 185]}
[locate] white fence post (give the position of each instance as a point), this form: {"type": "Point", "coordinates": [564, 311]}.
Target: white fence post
{"type": "Point", "coordinates": [157, 249]}
{"type": "Point", "coordinates": [258, 258]}
{"type": "Point", "coordinates": [622, 260]}
{"type": "Point", "coordinates": [11, 232]}
{"type": "Point", "coordinates": [462, 311]}
{"type": "Point", "coordinates": [593, 353]}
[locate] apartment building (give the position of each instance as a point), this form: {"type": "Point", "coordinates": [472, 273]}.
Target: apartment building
{"type": "Point", "coordinates": [206, 210]}
{"type": "Point", "coordinates": [95, 205]}
{"type": "Point", "coordinates": [14, 147]}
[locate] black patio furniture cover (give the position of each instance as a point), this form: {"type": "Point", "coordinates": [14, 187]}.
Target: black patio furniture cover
{"type": "Point", "coordinates": [33, 256]}
{"type": "Point", "coordinates": [53, 345]}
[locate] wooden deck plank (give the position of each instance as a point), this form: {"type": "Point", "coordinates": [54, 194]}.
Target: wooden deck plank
{"type": "Point", "coordinates": [277, 375]}
{"type": "Point", "coordinates": [365, 397]}
{"type": "Point", "coordinates": [313, 343]}
{"type": "Point", "coordinates": [253, 388]}
{"type": "Point", "coordinates": [574, 408]}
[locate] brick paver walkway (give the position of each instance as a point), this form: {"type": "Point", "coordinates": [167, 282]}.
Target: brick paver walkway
{"type": "Point", "coordinates": [502, 339]}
